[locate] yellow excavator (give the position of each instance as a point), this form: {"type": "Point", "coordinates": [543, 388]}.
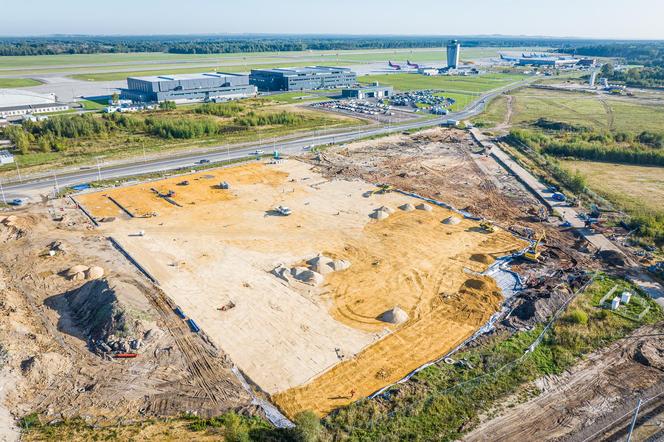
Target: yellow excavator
{"type": "Point", "coordinates": [533, 253]}
{"type": "Point", "coordinates": [487, 226]}
{"type": "Point", "coordinates": [383, 188]}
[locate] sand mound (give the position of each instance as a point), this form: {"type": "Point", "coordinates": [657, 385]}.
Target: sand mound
{"type": "Point", "coordinates": [425, 207]}
{"type": "Point", "coordinates": [482, 258]}
{"type": "Point", "coordinates": [394, 316]}
{"type": "Point", "coordinates": [94, 272]}
{"type": "Point", "coordinates": [340, 264]}
{"type": "Point", "coordinates": [408, 207]}
{"type": "Point", "coordinates": [379, 214]}
{"type": "Point", "coordinates": [475, 284]}
{"type": "Point", "coordinates": [282, 273]}
{"type": "Point", "coordinates": [451, 220]}
{"type": "Point", "coordinates": [76, 273]}
{"type": "Point", "coordinates": [386, 210]}
{"type": "Point", "coordinates": [307, 276]}
{"type": "Point", "coordinates": [321, 264]}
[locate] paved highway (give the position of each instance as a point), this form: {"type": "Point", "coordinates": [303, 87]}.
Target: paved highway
{"type": "Point", "coordinates": [33, 187]}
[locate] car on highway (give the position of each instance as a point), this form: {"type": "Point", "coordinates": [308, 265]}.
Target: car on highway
{"type": "Point", "coordinates": [16, 202]}
{"type": "Point", "coordinates": [203, 161]}
{"type": "Point", "coordinates": [258, 152]}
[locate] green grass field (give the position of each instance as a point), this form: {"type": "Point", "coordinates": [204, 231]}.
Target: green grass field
{"type": "Point", "coordinates": [601, 112]}
{"type": "Point", "coordinates": [18, 82]}
{"type": "Point", "coordinates": [634, 188]}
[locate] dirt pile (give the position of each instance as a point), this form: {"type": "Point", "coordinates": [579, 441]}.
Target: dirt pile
{"type": "Point", "coordinates": [612, 258]}
{"type": "Point", "coordinates": [651, 353]}
{"type": "Point", "coordinates": [394, 316]}
{"type": "Point", "coordinates": [13, 227]}
{"type": "Point", "coordinates": [533, 306]}
{"type": "Point", "coordinates": [111, 314]}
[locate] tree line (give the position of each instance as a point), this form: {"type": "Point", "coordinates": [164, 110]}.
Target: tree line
{"type": "Point", "coordinates": [54, 134]}
{"type": "Point", "coordinates": [246, 44]}
{"type": "Point", "coordinates": [645, 148]}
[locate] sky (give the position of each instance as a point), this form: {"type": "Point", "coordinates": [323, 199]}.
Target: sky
{"type": "Point", "coordinates": [616, 19]}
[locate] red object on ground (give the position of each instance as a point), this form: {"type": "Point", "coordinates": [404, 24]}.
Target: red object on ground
{"type": "Point", "coordinates": [125, 355]}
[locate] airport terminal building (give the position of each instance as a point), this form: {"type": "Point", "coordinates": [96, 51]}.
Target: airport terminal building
{"type": "Point", "coordinates": [299, 79]}
{"type": "Point", "coordinates": [188, 88]}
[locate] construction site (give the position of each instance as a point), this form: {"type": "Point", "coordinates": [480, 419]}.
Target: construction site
{"type": "Point", "coordinates": [276, 286]}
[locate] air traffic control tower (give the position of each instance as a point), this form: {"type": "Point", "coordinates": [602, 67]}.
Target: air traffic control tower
{"type": "Point", "coordinates": [453, 53]}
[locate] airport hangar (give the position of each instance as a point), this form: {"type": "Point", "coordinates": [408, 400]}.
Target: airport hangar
{"type": "Point", "coordinates": [214, 86]}
{"type": "Point", "coordinates": [299, 79]}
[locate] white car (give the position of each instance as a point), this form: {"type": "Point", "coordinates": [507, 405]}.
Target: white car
{"type": "Point", "coordinates": [258, 152]}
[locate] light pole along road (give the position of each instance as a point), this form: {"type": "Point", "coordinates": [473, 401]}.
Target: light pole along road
{"type": "Point", "coordinates": [46, 184]}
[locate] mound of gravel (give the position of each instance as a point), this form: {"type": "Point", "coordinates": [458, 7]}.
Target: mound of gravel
{"type": "Point", "coordinates": [451, 220]}
{"type": "Point", "coordinates": [379, 214]}
{"type": "Point", "coordinates": [408, 207]}
{"type": "Point", "coordinates": [394, 316]}
{"type": "Point", "coordinates": [425, 207]}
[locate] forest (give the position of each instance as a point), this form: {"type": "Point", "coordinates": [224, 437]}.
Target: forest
{"type": "Point", "coordinates": [220, 44]}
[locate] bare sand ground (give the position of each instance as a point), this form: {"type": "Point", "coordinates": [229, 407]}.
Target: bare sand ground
{"type": "Point", "coordinates": [310, 346]}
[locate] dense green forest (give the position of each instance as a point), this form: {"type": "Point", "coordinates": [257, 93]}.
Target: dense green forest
{"type": "Point", "coordinates": [256, 43]}
{"type": "Point", "coordinates": [647, 53]}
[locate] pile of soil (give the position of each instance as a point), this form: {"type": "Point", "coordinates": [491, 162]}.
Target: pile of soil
{"type": "Point", "coordinates": [651, 353]}
{"type": "Point", "coordinates": [13, 227]}
{"type": "Point", "coordinates": [111, 314]}
{"type": "Point", "coordinates": [533, 306]}
{"type": "Point", "coordinates": [612, 258]}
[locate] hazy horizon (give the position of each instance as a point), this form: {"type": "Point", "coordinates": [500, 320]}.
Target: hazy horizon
{"type": "Point", "coordinates": [590, 19]}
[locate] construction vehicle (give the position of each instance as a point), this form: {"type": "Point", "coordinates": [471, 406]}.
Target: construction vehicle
{"type": "Point", "coordinates": [382, 189]}
{"type": "Point", "coordinates": [533, 253]}
{"type": "Point", "coordinates": [283, 210]}
{"type": "Point", "coordinates": [557, 196]}
{"type": "Point", "coordinates": [224, 185]}
{"type": "Point", "coordinates": [276, 156]}
{"type": "Point", "coordinates": [487, 226]}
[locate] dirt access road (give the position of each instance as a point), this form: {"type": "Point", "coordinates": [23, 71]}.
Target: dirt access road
{"type": "Point", "coordinates": [577, 404]}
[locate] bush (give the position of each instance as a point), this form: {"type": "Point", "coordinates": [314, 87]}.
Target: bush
{"type": "Point", "coordinates": [307, 427]}
{"type": "Point", "coordinates": [577, 316]}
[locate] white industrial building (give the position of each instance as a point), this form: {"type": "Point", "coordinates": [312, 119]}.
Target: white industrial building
{"type": "Point", "coordinates": [15, 103]}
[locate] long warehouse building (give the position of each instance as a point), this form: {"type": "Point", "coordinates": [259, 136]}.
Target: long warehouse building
{"type": "Point", "coordinates": [212, 86]}
{"type": "Point", "coordinates": [299, 79]}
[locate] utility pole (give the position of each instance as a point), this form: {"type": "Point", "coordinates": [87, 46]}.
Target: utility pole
{"type": "Point", "coordinates": [18, 171]}
{"type": "Point", "coordinates": [55, 180]}
{"type": "Point", "coordinates": [98, 170]}
{"type": "Point", "coordinates": [2, 191]}
{"type": "Point", "coordinates": [631, 426]}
